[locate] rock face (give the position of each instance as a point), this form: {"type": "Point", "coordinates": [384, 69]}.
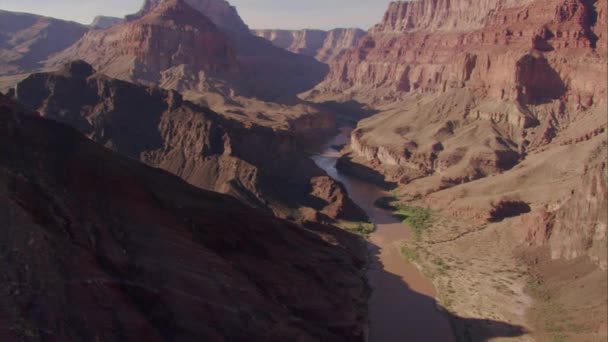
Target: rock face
{"type": "Point", "coordinates": [482, 108]}
{"type": "Point", "coordinates": [103, 22]}
{"type": "Point", "coordinates": [170, 39]}
{"type": "Point", "coordinates": [220, 12]}
{"type": "Point", "coordinates": [505, 50]}
{"type": "Point", "coordinates": [325, 46]}
{"type": "Point", "coordinates": [480, 88]}
{"type": "Point", "coordinates": [577, 225]}
{"type": "Point", "coordinates": [256, 164]}
{"type": "Point", "coordinates": [129, 252]}
{"type": "Point", "coordinates": [26, 40]}
{"type": "Point", "coordinates": [492, 113]}
{"type": "Point", "coordinates": [197, 47]}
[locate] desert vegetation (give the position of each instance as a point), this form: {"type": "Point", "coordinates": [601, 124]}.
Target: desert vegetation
{"type": "Point", "coordinates": [362, 229]}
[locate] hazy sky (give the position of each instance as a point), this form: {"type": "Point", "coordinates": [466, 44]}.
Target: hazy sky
{"type": "Point", "coordinates": [287, 14]}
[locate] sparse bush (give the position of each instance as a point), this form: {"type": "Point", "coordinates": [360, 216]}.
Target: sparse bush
{"type": "Point", "coordinates": [363, 229]}
{"type": "Point", "coordinates": [410, 254]}
{"type": "Point", "coordinates": [419, 219]}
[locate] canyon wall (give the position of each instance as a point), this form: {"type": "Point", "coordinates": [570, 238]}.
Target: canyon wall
{"type": "Point", "coordinates": [97, 246]}
{"type": "Point", "coordinates": [325, 46]}
{"type": "Point", "coordinates": [493, 114]}
{"type": "Point", "coordinates": [261, 166]}
{"type": "Point", "coordinates": [505, 50]}
{"type": "Point", "coordinates": [473, 97]}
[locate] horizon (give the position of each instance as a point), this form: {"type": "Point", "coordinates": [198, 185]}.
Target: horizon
{"type": "Point", "coordinates": [259, 14]}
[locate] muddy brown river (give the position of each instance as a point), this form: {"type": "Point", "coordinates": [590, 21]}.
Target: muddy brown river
{"type": "Point", "coordinates": [402, 306]}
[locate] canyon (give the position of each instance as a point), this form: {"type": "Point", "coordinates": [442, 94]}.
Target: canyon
{"type": "Point", "coordinates": [256, 164]}
{"type": "Point", "coordinates": [494, 117]}
{"type": "Point", "coordinates": [187, 161]}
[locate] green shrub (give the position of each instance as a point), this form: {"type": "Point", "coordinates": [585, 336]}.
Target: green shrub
{"type": "Point", "coordinates": [362, 229]}
{"type": "Point", "coordinates": [419, 219]}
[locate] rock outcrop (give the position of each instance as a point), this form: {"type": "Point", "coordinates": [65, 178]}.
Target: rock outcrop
{"type": "Point", "coordinates": [170, 39]}
{"type": "Point", "coordinates": [483, 110]}
{"type": "Point", "coordinates": [256, 164]}
{"type": "Point", "coordinates": [195, 47]}
{"type": "Point", "coordinates": [325, 46]}
{"type": "Point", "coordinates": [220, 12]}
{"type": "Point", "coordinates": [577, 225]}
{"type": "Point", "coordinates": [27, 40]}
{"type": "Point", "coordinates": [505, 50]}
{"type": "Point", "coordinates": [103, 22]}
{"type": "Point", "coordinates": [95, 246]}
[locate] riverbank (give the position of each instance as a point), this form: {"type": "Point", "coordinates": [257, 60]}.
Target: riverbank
{"type": "Point", "coordinates": [402, 304]}
{"type": "Point", "coordinates": [479, 281]}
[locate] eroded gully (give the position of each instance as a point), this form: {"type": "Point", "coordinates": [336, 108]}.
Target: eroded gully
{"type": "Point", "coordinates": [402, 305]}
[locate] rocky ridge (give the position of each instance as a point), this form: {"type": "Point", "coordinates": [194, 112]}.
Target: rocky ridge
{"type": "Point", "coordinates": [171, 38]}
{"type": "Point", "coordinates": [103, 22]}
{"type": "Point", "coordinates": [129, 252]}
{"type": "Point", "coordinates": [195, 47]}
{"type": "Point", "coordinates": [220, 12]}
{"type": "Point", "coordinates": [27, 40]}
{"type": "Point", "coordinates": [261, 166]}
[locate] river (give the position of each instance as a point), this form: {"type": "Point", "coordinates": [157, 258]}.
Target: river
{"type": "Point", "coordinates": [402, 306]}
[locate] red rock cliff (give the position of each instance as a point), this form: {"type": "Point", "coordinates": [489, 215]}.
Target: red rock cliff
{"type": "Point", "coordinates": [503, 49]}
{"type": "Point", "coordinates": [169, 39]}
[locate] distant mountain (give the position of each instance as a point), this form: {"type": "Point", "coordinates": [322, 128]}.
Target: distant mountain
{"type": "Point", "coordinates": [195, 47]}
{"type": "Point", "coordinates": [220, 12]}
{"type": "Point", "coordinates": [95, 246]}
{"type": "Point", "coordinates": [325, 46]}
{"type": "Point", "coordinates": [27, 40]}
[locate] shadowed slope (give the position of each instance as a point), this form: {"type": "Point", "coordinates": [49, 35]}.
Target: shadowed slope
{"type": "Point", "coordinates": [260, 166]}
{"type": "Point", "coordinates": [95, 246]}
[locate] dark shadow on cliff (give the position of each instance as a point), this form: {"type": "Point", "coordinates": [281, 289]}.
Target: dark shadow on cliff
{"type": "Point", "coordinates": [347, 113]}
{"type": "Point", "coordinates": [405, 314]}
{"type": "Point", "coordinates": [274, 74]}
{"type": "Point", "coordinates": [537, 81]}
{"type": "Point", "coordinates": [346, 166]}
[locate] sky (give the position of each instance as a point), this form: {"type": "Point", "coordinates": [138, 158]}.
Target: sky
{"type": "Point", "coordinates": [285, 14]}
